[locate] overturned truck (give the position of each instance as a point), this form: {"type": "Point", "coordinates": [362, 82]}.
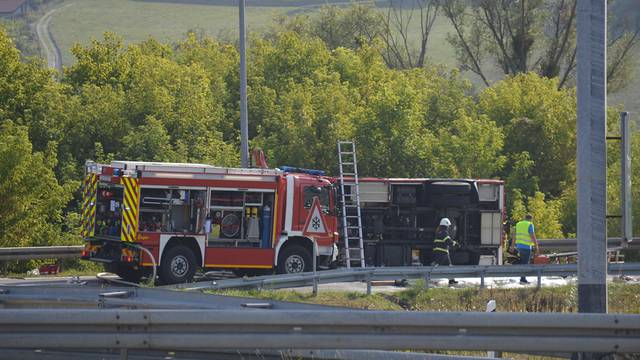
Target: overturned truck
{"type": "Point", "coordinates": [399, 218]}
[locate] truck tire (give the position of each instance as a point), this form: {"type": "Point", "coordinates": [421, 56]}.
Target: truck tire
{"type": "Point", "coordinates": [294, 259]}
{"type": "Point", "coordinates": [178, 265]}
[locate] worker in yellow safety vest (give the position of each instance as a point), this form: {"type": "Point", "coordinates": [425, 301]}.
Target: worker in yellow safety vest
{"type": "Point", "coordinates": [441, 246]}
{"type": "Point", "coordinates": [525, 241]}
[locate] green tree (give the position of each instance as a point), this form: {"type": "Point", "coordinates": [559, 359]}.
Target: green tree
{"type": "Point", "coordinates": [32, 199]}
{"type": "Point", "coordinates": [521, 176]}
{"type": "Point", "coordinates": [471, 148]}
{"type": "Point", "coordinates": [148, 142]}
{"type": "Point", "coordinates": [546, 214]}
{"type": "Point", "coordinates": [117, 88]}
{"type": "Point", "coordinates": [389, 26]}
{"type": "Point", "coordinates": [537, 118]}
{"type": "Point", "coordinates": [29, 96]}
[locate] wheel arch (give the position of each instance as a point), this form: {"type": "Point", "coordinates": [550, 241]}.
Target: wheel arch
{"type": "Point", "coordinates": [295, 240]}
{"type": "Point", "coordinates": [188, 242]}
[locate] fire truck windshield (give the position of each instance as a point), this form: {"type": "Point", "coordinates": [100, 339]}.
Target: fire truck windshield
{"type": "Point", "coordinates": [316, 191]}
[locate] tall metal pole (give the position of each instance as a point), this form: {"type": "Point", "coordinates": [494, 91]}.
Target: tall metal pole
{"type": "Point", "coordinates": [244, 118]}
{"type": "Point", "coordinates": [625, 174]}
{"type": "Point", "coordinates": [592, 100]}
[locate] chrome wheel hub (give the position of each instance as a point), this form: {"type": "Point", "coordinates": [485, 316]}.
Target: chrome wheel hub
{"type": "Point", "coordinates": [179, 266]}
{"type": "Point", "coordinates": [294, 264]}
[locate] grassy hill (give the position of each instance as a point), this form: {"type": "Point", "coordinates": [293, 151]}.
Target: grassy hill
{"type": "Point", "coordinates": [138, 20]}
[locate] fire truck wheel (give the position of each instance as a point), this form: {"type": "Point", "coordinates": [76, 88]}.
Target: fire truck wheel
{"type": "Point", "coordinates": [294, 259]}
{"type": "Point", "coordinates": [178, 265]}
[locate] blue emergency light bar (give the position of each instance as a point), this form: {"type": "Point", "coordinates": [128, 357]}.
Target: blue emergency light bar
{"type": "Point", "coordinates": [293, 169]}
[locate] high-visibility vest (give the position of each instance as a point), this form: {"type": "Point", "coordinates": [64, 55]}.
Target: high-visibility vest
{"type": "Point", "coordinates": [441, 244]}
{"type": "Point", "coordinates": [522, 233]}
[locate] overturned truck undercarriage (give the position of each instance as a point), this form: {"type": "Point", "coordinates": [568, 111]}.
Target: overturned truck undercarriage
{"type": "Point", "coordinates": [400, 216]}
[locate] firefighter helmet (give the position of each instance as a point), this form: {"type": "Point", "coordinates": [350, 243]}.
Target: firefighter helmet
{"type": "Point", "coordinates": [445, 222]}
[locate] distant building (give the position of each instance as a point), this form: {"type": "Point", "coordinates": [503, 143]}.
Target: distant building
{"type": "Point", "coordinates": [13, 8]}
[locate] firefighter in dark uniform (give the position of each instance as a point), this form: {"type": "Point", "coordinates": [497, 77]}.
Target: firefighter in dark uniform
{"type": "Point", "coordinates": [442, 244]}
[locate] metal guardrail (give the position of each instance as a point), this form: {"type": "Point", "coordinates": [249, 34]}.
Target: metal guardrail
{"type": "Point", "coordinates": [59, 252]}
{"type": "Point", "coordinates": [312, 329]}
{"type": "Point", "coordinates": [395, 273]}
{"type": "Point", "coordinates": [40, 252]}
{"type": "Point", "coordinates": [115, 297]}
{"type": "Point", "coordinates": [571, 244]}
{"type": "Point", "coordinates": [256, 354]}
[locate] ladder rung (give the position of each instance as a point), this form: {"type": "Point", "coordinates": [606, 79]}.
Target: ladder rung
{"type": "Point", "coordinates": [346, 152]}
{"type": "Point", "coordinates": [347, 163]}
{"type": "Point", "coordinates": [353, 227]}
{"type": "Point", "coordinates": [352, 174]}
{"type": "Point", "coordinates": [352, 217]}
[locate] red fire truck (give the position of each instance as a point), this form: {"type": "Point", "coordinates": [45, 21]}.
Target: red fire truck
{"type": "Point", "coordinates": [192, 216]}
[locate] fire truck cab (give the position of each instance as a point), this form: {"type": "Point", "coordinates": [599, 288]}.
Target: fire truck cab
{"type": "Point", "coordinates": [180, 217]}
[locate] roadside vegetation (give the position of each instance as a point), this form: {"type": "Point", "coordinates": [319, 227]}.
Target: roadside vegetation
{"type": "Point", "coordinates": [623, 298]}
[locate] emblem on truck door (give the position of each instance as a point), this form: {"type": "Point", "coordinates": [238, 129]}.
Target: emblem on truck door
{"type": "Point", "coordinates": [315, 223]}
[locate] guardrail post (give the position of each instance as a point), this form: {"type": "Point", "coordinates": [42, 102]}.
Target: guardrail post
{"type": "Point", "coordinates": [482, 280]}
{"type": "Point", "coordinates": [492, 307]}
{"type": "Point", "coordinates": [368, 283]}
{"type": "Point", "coordinates": [539, 274]}
{"type": "Point", "coordinates": [427, 277]}
{"type": "Point", "coordinates": [625, 174]}
{"type": "Point", "coordinates": [315, 275]}
{"type": "Point", "coordinates": [124, 354]}
{"type": "Point", "coordinates": [314, 292]}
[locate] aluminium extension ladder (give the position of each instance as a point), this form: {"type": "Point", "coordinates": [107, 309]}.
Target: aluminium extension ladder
{"type": "Point", "coordinates": [351, 215]}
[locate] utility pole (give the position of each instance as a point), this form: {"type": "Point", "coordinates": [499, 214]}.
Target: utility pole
{"type": "Point", "coordinates": [592, 101]}
{"type": "Point", "coordinates": [625, 173]}
{"type": "Point", "coordinates": [244, 117]}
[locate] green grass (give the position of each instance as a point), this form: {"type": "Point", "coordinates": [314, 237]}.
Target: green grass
{"type": "Point", "coordinates": [623, 298]}
{"type": "Point", "coordinates": [136, 21]}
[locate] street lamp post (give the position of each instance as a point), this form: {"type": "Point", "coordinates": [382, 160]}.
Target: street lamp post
{"type": "Point", "coordinates": [244, 117]}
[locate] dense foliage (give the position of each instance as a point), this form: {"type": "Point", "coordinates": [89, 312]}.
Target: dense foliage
{"type": "Point", "coordinates": [179, 102]}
